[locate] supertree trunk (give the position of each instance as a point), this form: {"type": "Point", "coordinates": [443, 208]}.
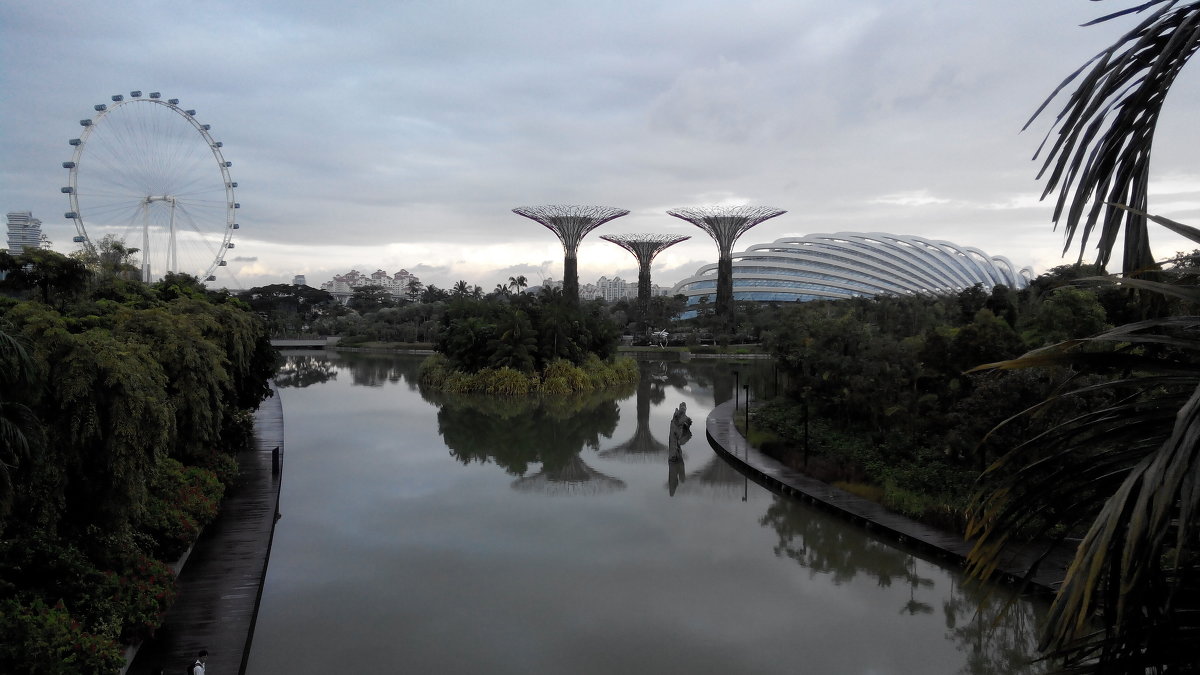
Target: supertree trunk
{"type": "Point", "coordinates": [571, 278]}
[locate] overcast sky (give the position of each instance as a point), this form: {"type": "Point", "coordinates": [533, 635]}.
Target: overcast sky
{"type": "Point", "coordinates": [400, 134]}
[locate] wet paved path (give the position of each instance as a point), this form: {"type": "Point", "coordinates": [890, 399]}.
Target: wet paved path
{"type": "Point", "coordinates": [724, 437]}
{"type": "Point", "coordinates": [221, 583]}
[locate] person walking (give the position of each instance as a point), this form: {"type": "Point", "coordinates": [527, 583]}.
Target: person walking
{"type": "Point", "coordinates": [197, 667]}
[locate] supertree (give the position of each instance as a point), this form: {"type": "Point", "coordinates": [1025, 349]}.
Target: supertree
{"type": "Point", "coordinates": [725, 224]}
{"type": "Point", "coordinates": [571, 224]}
{"type": "Point", "coordinates": [644, 247]}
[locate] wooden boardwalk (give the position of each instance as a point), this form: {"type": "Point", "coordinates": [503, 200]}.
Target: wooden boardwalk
{"type": "Point", "coordinates": [724, 437]}
{"type": "Point", "coordinates": [221, 583]}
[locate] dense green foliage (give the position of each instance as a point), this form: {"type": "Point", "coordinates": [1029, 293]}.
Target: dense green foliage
{"type": "Point", "coordinates": [121, 407]}
{"type": "Point", "coordinates": [526, 344]}
{"type": "Point", "coordinates": [887, 398]}
{"type": "Point", "coordinates": [882, 385]}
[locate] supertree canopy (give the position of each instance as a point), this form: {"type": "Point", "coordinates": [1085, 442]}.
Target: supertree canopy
{"type": "Point", "coordinates": [644, 247]}
{"type": "Point", "coordinates": [725, 224]}
{"type": "Point", "coordinates": [571, 224]}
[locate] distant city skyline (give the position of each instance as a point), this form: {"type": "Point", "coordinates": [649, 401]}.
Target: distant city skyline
{"type": "Point", "coordinates": [403, 134]}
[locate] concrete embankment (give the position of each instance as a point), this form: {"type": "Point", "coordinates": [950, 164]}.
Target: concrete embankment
{"type": "Point", "coordinates": [220, 585]}
{"type": "Point", "coordinates": [728, 442]}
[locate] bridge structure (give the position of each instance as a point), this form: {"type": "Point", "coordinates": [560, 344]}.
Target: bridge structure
{"type": "Point", "coordinates": [305, 343]}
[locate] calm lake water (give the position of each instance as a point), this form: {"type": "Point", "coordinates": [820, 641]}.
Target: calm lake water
{"type": "Point", "coordinates": [434, 534]}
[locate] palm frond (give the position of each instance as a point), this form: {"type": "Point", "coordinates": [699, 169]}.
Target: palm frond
{"type": "Point", "coordinates": [1103, 136]}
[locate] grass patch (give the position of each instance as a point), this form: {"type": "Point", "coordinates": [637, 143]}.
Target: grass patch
{"type": "Point", "coordinates": [869, 492]}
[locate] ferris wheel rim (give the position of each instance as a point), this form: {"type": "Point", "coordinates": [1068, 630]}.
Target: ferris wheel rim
{"type": "Point", "coordinates": [76, 213]}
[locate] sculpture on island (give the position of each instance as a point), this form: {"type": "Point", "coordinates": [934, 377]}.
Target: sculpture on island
{"type": "Point", "coordinates": [644, 247]}
{"type": "Point", "coordinates": [681, 432]}
{"type": "Point", "coordinates": [725, 224]}
{"type": "Point", "coordinates": [571, 224]}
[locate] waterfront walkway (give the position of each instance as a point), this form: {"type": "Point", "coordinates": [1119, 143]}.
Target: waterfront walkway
{"type": "Point", "coordinates": [728, 442]}
{"type": "Point", "coordinates": [221, 583]}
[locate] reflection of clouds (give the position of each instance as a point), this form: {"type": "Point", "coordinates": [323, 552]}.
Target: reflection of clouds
{"type": "Point", "coordinates": [573, 477]}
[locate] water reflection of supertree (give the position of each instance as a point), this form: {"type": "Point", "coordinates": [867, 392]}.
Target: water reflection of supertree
{"type": "Point", "coordinates": [643, 446]}
{"type": "Point", "coordinates": [516, 432]}
{"type": "Point", "coordinates": [716, 479]}
{"type": "Point", "coordinates": [303, 370]}
{"type": "Point", "coordinates": [573, 477]}
{"type": "Point", "coordinates": [718, 378]}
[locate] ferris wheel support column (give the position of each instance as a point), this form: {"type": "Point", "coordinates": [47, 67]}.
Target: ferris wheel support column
{"type": "Point", "coordinates": [172, 251]}
{"type": "Point", "coordinates": [146, 240]}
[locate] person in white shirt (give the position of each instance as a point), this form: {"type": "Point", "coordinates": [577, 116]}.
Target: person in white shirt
{"type": "Point", "coordinates": [198, 665]}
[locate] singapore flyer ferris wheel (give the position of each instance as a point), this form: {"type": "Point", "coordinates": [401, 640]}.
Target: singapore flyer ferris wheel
{"type": "Point", "coordinates": [147, 172]}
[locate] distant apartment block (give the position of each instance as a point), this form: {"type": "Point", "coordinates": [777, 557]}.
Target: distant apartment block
{"type": "Point", "coordinates": [612, 290]}
{"type": "Point", "coordinates": [299, 280]}
{"type": "Point", "coordinates": [343, 286]}
{"type": "Point", "coordinates": [24, 232]}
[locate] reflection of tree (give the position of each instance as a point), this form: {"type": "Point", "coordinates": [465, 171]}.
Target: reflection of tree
{"type": "Point", "coordinates": [914, 607]}
{"type": "Point", "coordinates": [515, 432]}
{"type": "Point", "coordinates": [373, 370]}
{"type": "Point", "coordinates": [302, 370]}
{"type": "Point", "coordinates": [826, 546]}
{"type": "Point", "coordinates": [996, 635]}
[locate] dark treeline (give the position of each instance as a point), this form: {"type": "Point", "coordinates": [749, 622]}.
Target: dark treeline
{"type": "Point", "coordinates": [373, 315]}
{"type": "Point", "coordinates": [881, 395]}
{"type": "Point", "coordinates": [121, 407]}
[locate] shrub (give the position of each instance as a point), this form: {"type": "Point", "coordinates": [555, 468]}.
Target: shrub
{"type": "Point", "coordinates": [42, 639]}
{"type": "Point", "coordinates": [182, 501]}
{"type": "Point", "coordinates": [505, 381]}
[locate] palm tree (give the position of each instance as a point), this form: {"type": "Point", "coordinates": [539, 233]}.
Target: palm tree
{"type": "Point", "coordinates": [1126, 470]}
{"type": "Point", "coordinates": [461, 289]}
{"type": "Point", "coordinates": [518, 283]}
{"type": "Point", "coordinates": [1101, 153]}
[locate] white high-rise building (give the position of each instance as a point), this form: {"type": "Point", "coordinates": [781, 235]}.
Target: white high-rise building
{"type": "Point", "coordinates": [298, 280]}
{"type": "Point", "coordinates": [611, 290]}
{"type": "Point", "coordinates": [24, 232]}
{"type": "Point", "coordinates": [342, 285]}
